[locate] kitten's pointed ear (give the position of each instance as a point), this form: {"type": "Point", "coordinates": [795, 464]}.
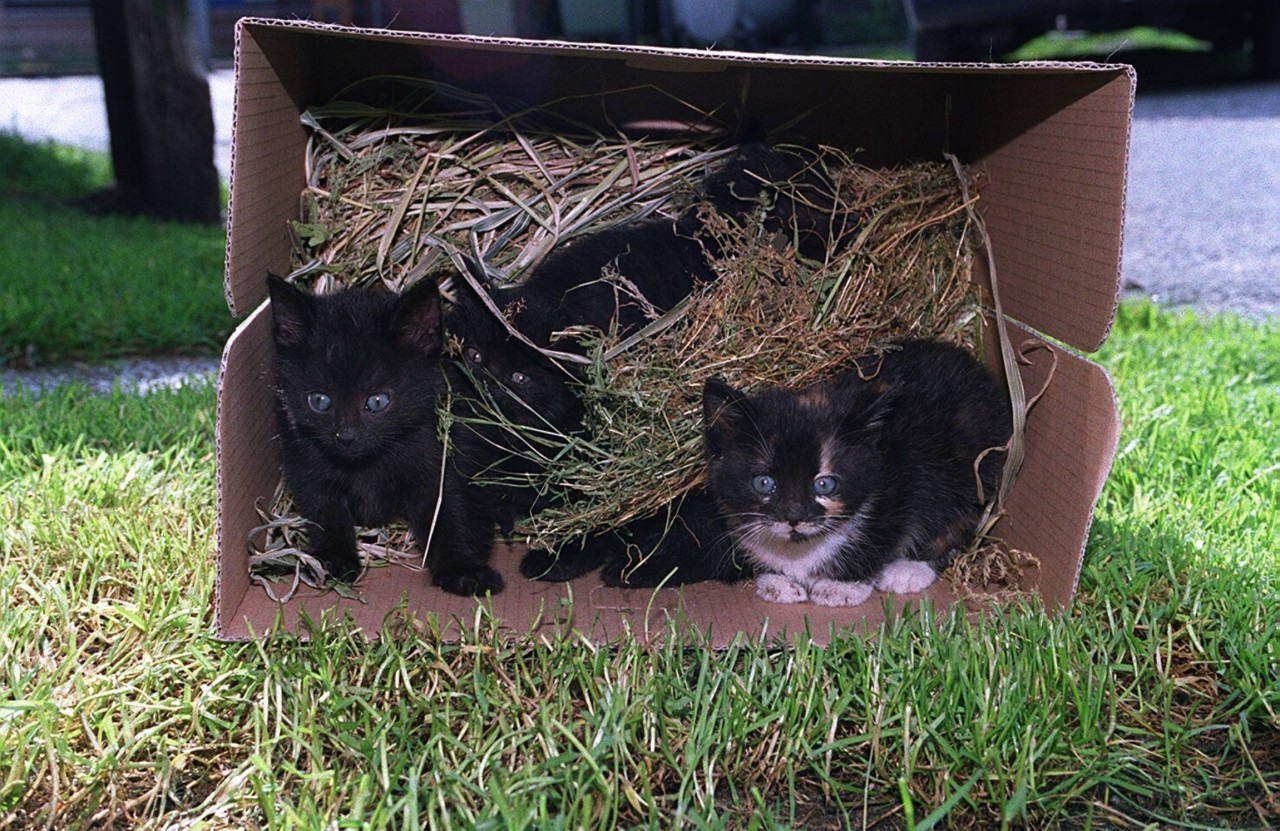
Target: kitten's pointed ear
{"type": "Point", "coordinates": [878, 409]}
{"type": "Point", "coordinates": [291, 312]}
{"type": "Point", "coordinates": [416, 320]}
{"type": "Point", "coordinates": [721, 406]}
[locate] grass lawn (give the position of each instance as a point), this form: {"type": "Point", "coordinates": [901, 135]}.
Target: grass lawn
{"type": "Point", "coordinates": [1106, 45]}
{"type": "Point", "coordinates": [1153, 702]}
{"type": "Point", "coordinates": [78, 287]}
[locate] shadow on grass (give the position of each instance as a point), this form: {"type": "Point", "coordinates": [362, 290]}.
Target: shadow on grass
{"type": "Point", "coordinates": [1193, 648]}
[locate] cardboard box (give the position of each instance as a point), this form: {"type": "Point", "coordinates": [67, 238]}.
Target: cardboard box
{"type": "Point", "coordinates": [1051, 139]}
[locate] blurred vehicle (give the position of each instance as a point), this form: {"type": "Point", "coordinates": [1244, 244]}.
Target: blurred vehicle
{"type": "Point", "coordinates": [977, 30]}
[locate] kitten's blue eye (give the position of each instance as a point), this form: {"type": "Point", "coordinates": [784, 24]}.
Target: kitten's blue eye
{"type": "Point", "coordinates": [473, 355]}
{"type": "Point", "coordinates": [319, 402]}
{"type": "Point", "coordinates": [763, 485]}
{"type": "Point", "coordinates": [519, 379]}
{"type": "Point", "coordinates": [825, 485]}
{"type": "Point", "coordinates": [377, 403]}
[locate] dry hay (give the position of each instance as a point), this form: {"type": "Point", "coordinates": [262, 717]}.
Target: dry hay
{"type": "Point", "coordinates": [391, 199]}
{"type": "Point", "coordinates": [772, 317]}
{"type": "Point", "coordinates": [989, 571]}
{"type": "Point", "coordinates": [278, 562]}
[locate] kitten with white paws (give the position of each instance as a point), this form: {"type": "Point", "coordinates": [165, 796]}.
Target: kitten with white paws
{"type": "Point", "coordinates": [867, 480]}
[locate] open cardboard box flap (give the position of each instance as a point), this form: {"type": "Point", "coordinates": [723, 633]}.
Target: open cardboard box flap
{"type": "Point", "coordinates": [1051, 139]}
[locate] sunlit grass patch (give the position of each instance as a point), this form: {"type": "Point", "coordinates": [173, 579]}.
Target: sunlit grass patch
{"type": "Point", "coordinates": [1106, 45]}
{"type": "Point", "coordinates": [1152, 701]}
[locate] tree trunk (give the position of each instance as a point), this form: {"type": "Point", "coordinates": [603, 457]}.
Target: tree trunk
{"type": "Point", "coordinates": [158, 111]}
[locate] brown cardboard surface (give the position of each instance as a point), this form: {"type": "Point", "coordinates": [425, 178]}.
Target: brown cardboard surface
{"type": "Point", "coordinates": [1051, 140]}
{"type": "Point", "coordinates": [248, 465]}
{"type": "Point", "coordinates": [718, 613]}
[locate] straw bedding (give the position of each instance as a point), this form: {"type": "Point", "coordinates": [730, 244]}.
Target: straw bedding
{"type": "Point", "coordinates": [393, 197]}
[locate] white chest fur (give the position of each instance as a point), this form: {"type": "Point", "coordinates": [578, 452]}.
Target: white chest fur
{"type": "Point", "coordinates": [805, 560]}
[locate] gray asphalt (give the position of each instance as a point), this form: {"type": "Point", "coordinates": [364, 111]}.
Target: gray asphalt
{"type": "Point", "coordinates": [1202, 222]}
{"type": "Point", "coordinates": [1202, 218]}
{"type": "Point", "coordinates": [142, 376]}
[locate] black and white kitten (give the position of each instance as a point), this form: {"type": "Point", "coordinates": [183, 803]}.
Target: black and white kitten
{"type": "Point", "coordinates": [358, 380]}
{"type": "Point", "coordinates": [864, 481]}
{"type": "Point", "coordinates": [867, 480]}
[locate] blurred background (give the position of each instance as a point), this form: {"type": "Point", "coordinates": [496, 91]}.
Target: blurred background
{"type": "Point", "coordinates": [45, 37]}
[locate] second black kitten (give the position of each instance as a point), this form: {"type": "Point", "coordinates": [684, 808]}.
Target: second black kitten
{"type": "Point", "coordinates": [358, 381]}
{"type": "Point", "coordinates": [615, 280]}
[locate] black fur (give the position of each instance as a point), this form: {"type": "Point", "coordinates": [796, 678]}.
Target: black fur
{"type": "Point", "coordinates": [358, 380]}
{"type": "Point", "coordinates": [897, 436]}
{"type": "Point", "coordinates": [660, 260]}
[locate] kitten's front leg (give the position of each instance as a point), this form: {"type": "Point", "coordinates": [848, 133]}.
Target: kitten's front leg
{"type": "Point", "coordinates": [461, 543]}
{"type": "Point", "coordinates": [686, 543]}
{"type": "Point", "coordinates": [839, 592]}
{"type": "Point", "coordinates": [331, 536]}
{"type": "Point", "coordinates": [906, 576]}
{"type": "Point", "coordinates": [779, 588]}
{"type": "Point", "coordinates": [571, 560]}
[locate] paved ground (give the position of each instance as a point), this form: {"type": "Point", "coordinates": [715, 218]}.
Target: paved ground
{"type": "Point", "coordinates": [1202, 225]}
{"type": "Point", "coordinates": [71, 110]}
{"type": "Point", "coordinates": [138, 376]}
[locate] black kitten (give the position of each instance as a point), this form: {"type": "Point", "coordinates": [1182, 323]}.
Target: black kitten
{"type": "Point", "coordinates": [661, 259]}
{"type": "Point", "coordinates": [863, 481]}
{"type": "Point", "coordinates": [789, 190]}
{"type": "Point", "coordinates": [358, 379]}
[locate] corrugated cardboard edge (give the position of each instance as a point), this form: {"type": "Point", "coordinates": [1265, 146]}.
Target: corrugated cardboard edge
{"type": "Point", "coordinates": [724, 56]}
{"type": "Point", "coordinates": [245, 420]}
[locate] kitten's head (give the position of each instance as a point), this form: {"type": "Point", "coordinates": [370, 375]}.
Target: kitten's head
{"type": "Point", "coordinates": [528, 387]}
{"type": "Point", "coordinates": [790, 471]}
{"type": "Point", "coordinates": [798, 195]}
{"type": "Point", "coordinates": [357, 372]}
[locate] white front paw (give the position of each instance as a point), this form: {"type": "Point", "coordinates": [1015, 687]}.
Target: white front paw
{"type": "Point", "coordinates": [839, 592]}
{"type": "Point", "coordinates": [779, 589]}
{"type": "Point", "coordinates": [906, 576]}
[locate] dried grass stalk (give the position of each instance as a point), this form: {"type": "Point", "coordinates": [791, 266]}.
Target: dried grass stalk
{"type": "Point", "coordinates": [391, 198]}
{"type": "Point", "coordinates": [990, 571]}
{"type": "Point", "coordinates": [771, 318]}
{"type": "Point", "coordinates": [278, 563]}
